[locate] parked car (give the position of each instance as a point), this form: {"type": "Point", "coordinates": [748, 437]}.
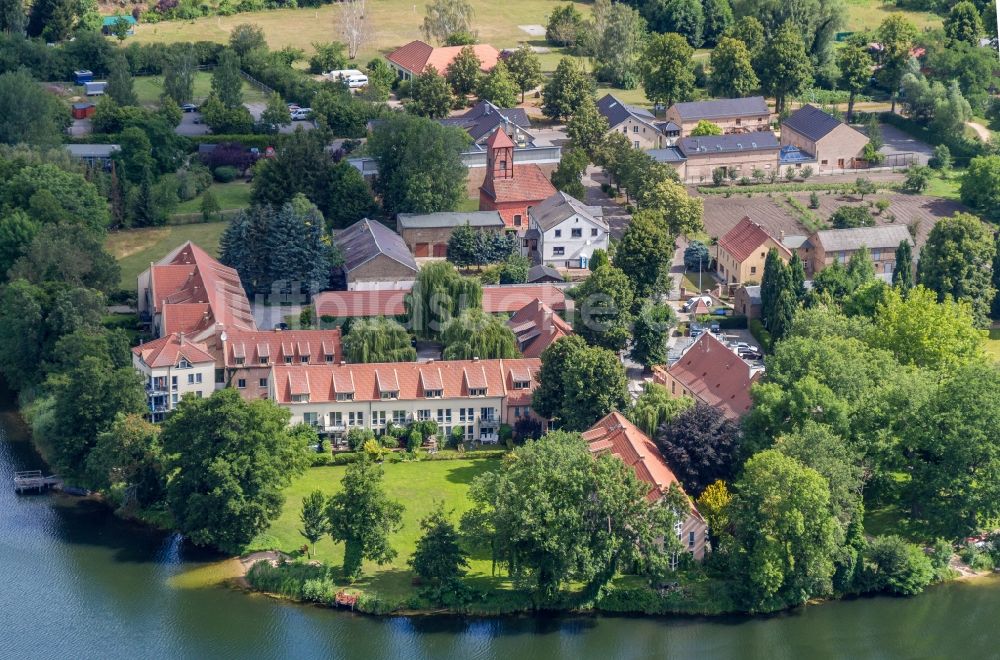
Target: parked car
{"type": "Point", "coordinates": [714, 328]}
{"type": "Point", "coordinates": [689, 305]}
{"type": "Point", "coordinates": [189, 107]}
{"type": "Point", "coordinates": [696, 330]}
{"type": "Point", "coordinates": [300, 114]}
{"type": "Point", "coordinates": [281, 326]}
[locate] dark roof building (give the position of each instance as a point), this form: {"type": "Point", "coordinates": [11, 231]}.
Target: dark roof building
{"type": "Point", "coordinates": [484, 118]}
{"type": "Point", "coordinates": [732, 143]}
{"type": "Point", "coordinates": [721, 108]}
{"type": "Point", "coordinates": [373, 253]}
{"type": "Point", "coordinates": [543, 273]}
{"type": "Point", "coordinates": [616, 112]}
{"type": "Point", "coordinates": [561, 206]}
{"type": "Point", "coordinates": [811, 122]}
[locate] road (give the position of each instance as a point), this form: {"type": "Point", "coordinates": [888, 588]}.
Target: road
{"type": "Point", "coordinates": [983, 132]}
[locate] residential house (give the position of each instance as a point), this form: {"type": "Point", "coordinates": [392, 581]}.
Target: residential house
{"type": "Point", "coordinates": [476, 396]}
{"type": "Point", "coordinates": [375, 257]}
{"type": "Point", "coordinates": [831, 143]}
{"type": "Point", "coordinates": [830, 245]}
{"type": "Point", "coordinates": [564, 232]}
{"type": "Point", "coordinates": [741, 252]}
{"type": "Point", "coordinates": [696, 158]}
{"type": "Point", "coordinates": [536, 326]}
{"type": "Point", "coordinates": [509, 189]}
{"type": "Point", "coordinates": [485, 118]}
{"type": "Point", "coordinates": [745, 115]}
{"type": "Point", "coordinates": [189, 291]}
{"type": "Point", "coordinates": [712, 373]}
{"type": "Point", "coordinates": [497, 299]}
{"type": "Point", "coordinates": [427, 234]}
{"type": "Point", "coordinates": [413, 58]}
{"type": "Point", "coordinates": [171, 367]}
{"type": "Point", "coordinates": [637, 124]}
{"type": "Point", "coordinates": [746, 301]}
{"type": "Point", "coordinates": [616, 435]}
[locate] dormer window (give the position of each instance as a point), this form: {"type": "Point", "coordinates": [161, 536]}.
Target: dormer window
{"type": "Point", "coordinates": [184, 364]}
{"type": "Point", "coordinates": [240, 361]}
{"type": "Point", "coordinates": [391, 394]}
{"type": "Point", "coordinates": [521, 384]}
{"type": "Point", "coordinates": [263, 359]}
{"type": "Point", "coordinates": [345, 396]}
{"type": "Point", "coordinates": [304, 359]}
{"type": "Point", "coordinates": [329, 357]}
{"type": "Point", "coordinates": [300, 398]}
{"type": "Point", "coordinates": [433, 394]}
{"type": "Point", "coordinates": [477, 391]}
{"type": "Point", "coordinates": [288, 359]}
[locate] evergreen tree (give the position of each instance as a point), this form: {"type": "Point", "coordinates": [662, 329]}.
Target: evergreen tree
{"type": "Point", "coordinates": [498, 87]}
{"type": "Point", "coordinates": [566, 91]}
{"type": "Point", "coordinates": [797, 277]}
{"type": "Point", "coordinates": [463, 246]}
{"type": "Point", "coordinates": [902, 276]}
{"type": "Point", "coordinates": [525, 68]}
{"type": "Point", "coordinates": [178, 75]}
{"type": "Point", "coordinates": [12, 17]}
{"type": "Point", "coordinates": [785, 69]}
{"type": "Point", "coordinates": [771, 283]}
{"type": "Point", "coordinates": [963, 25]}
{"type": "Point", "coordinates": [52, 20]}
{"type": "Point", "coordinates": [783, 310]}
{"type": "Point", "coordinates": [226, 81]}
{"type": "Point", "coordinates": [120, 81]}
{"type": "Point", "coordinates": [718, 18]}
{"type": "Point", "coordinates": [650, 334]}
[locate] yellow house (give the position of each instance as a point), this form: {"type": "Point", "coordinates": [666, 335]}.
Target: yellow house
{"type": "Point", "coordinates": [740, 254]}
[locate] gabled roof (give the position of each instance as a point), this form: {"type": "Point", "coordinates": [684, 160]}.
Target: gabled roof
{"type": "Point", "coordinates": [617, 435]}
{"type": "Point", "coordinates": [716, 376]}
{"type": "Point", "coordinates": [528, 183]}
{"type": "Point", "coordinates": [733, 143]}
{"type": "Point", "coordinates": [449, 219]}
{"type": "Point", "coordinates": [356, 304]}
{"type": "Point", "coordinates": [499, 140]}
{"type": "Point", "coordinates": [722, 108]}
{"type": "Point", "coordinates": [616, 112]}
{"type": "Point", "coordinates": [167, 351]}
{"type": "Point", "coordinates": [561, 206]}
{"type": "Point", "coordinates": [746, 238]}
{"type": "Point", "coordinates": [455, 378]}
{"type": "Point", "coordinates": [484, 117]}
{"type": "Point", "coordinates": [543, 273]}
{"type": "Point", "coordinates": [882, 237]}
{"type": "Point", "coordinates": [507, 298]}
{"type": "Point", "coordinates": [417, 56]}
{"type": "Point", "coordinates": [812, 122]}
{"type": "Point", "coordinates": [667, 155]}
{"type": "Point", "coordinates": [276, 345]}
{"type": "Point", "coordinates": [367, 239]}
{"type": "Point", "coordinates": [536, 326]}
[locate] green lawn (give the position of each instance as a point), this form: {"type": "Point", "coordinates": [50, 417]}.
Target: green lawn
{"type": "Point", "coordinates": [468, 204]}
{"type": "Point", "coordinates": [945, 188]}
{"type": "Point", "coordinates": [232, 195]}
{"type": "Point", "coordinates": [993, 344]}
{"type": "Point", "coordinates": [868, 14]}
{"type": "Point", "coordinates": [136, 248]}
{"type": "Point", "coordinates": [418, 486]}
{"type": "Point", "coordinates": [149, 88]}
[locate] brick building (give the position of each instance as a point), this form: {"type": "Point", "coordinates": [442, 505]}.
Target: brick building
{"type": "Point", "coordinates": [375, 257]}
{"type": "Point", "coordinates": [427, 234]}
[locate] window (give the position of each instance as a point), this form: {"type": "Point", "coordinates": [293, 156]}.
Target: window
{"type": "Point", "coordinates": [220, 375]}
{"type": "Point", "coordinates": [738, 121]}
{"type": "Point", "coordinates": [345, 396]}
{"type": "Point", "coordinates": [378, 418]}
{"type": "Point", "coordinates": [558, 233]}
{"type": "Point", "coordinates": [690, 539]}
{"type": "Point", "coordinates": [517, 411]}
{"type": "Point", "coordinates": [487, 414]}
{"type": "Point", "coordinates": [263, 359]}
{"type": "Point", "coordinates": [635, 144]}
{"type": "Point", "coordinates": [240, 361]}
{"type": "Point", "coordinates": [173, 398]}
{"type": "Point", "coordinates": [477, 391]}
{"type": "Point", "coordinates": [194, 378]}
{"type": "Point", "coordinates": [304, 359]}
{"type": "Point", "coordinates": [558, 251]}
{"type": "Point", "coordinates": [521, 384]}
{"type": "Point", "coordinates": [389, 395]}
{"type": "Point", "coordinates": [635, 129]}
{"type": "Point", "coordinates": [876, 254]}
{"type": "Point", "coordinates": [288, 359]}
{"type": "Point", "coordinates": [593, 231]}
{"type": "Point", "coordinates": [197, 394]}
{"type": "Point", "coordinates": [399, 417]}
{"type": "Point", "coordinates": [433, 394]}
{"type": "Point", "coordinates": [753, 270]}
{"type": "Point", "coordinates": [310, 418]}
{"type": "Point", "coordinates": [423, 415]}
{"type": "Point", "coordinates": [337, 420]}
{"type": "Point", "coordinates": [822, 162]}
{"type": "Point", "coordinates": [466, 414]}
{"type": "Point", "coordinates": [241, 383]}
{"type": "Point", "coordinates": [678, 528]}
{"type": "Point", "coordinates": [517, 219]}
{"type": "Point", "coordinates": [355, 419]}
{"type": "Point", "coordinates": [183, 364]}
{"type": "Point", "coordinates": [329, 357]}
{"type": "Point", "coordinates": [576, 232]}
{"type": "Point", "coordinates": [625, 130]}
{"type": "Point", "coordinates": [444, 415]}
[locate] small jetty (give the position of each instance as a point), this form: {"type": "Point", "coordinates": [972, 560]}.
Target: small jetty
{"type": "Point", "coordinates": [35, 480]}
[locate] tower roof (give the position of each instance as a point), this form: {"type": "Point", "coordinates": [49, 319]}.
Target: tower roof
{"type": "Point", "coordinates": [499, 140]}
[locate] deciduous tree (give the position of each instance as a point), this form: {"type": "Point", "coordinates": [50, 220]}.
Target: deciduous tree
{"type": "Point", "coordinates": [732, 69]}
{"type": "Point", "coordinates": [429, 95]}
{"type": "Point", "coordinates": [378, 340]}
{"type": "Point", "coordinates": [652, 329]}
{"type": "Point", "coordinates": [226, 81]}
{"type": "Point", "coordinates": [498, 87]}
{"type": "Point", "coordinates": [701, 446]}
{"type": "Point", "coordinates": [957, 261]}
{"type": "Point", "coordinates": [463, 72]}
{"type": "Point", "coordinates": [587, 129]}
{"type": "Point", "coordinates": [566, 91]}
{"type": "Point", "coordinates": [604, 302]}
{"type": "Point", "coordinates": [315, 524]}
{"type": "Point", "coordinates": [667, 75]}
{"type": "Point", "coordinates": [525, 68]}
{"type": "Point", "coordinates": [656, 406]}
{"type": "Point", "coordinates": [856, 67]}
{"type": "Point", "coordinates": [963, 24]}
{"type": "Point", "coordinates": [579, 384]}
{"type": "Point", "coordinates": [438, 557]}
{"type": "Point", "coordinates": [785, 68]}
{"type": "Point", "coordinates": [444, 18]}
{"type": "Point", "coordinates": [645, 253]}
{"type": "Point", "coordinates": [476, 334]}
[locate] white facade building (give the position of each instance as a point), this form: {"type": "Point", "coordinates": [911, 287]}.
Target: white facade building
{"type": "Point", "coordinates": [563, 232]}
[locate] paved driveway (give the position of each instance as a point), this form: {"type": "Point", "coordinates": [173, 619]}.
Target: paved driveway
{"type": "Point", "coordinates": [898, 142]}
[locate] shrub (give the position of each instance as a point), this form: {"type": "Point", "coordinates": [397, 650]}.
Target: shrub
{"type": "Point", "coordinates": [882, 205]}
{"type": "Point", "coordinates": [893, 565]}
{"type": "Point", "coordinates": [849, 217]}
{"type": "Point", "coordinates": [225, 173]}
{"type": "Point", "coordinates": [761, 334]}
{"type": "Point", "coordinates": [813, 200]}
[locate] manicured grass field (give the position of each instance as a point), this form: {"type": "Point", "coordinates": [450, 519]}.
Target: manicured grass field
{"type": "Point", "coordinates": [993, 345]}
{"type": "Point", "coordinates": [867, 15]}
{"type": "Point", "coordinates": [149, 88]}
{"type": "Point", "coordinates": [135, 248]}
{"type": "Point", "coordinates": [945, 188]}
{"type": "Point", "coordinates": [232, 195]}
{"type": "Point", "coordinates": [419, 486]}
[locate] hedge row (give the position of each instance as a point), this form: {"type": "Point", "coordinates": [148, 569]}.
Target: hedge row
{"type": "Point", "coordinates": [346, 458]}
{"type": "Point", "coordinates": [791, 187]}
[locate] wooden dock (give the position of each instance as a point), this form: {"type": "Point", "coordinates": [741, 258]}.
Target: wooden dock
{"type": "Point", "coordinates": [34, 480]}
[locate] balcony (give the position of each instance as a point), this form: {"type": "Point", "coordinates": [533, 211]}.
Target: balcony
{"type": "Point", "coordinates": [489, 421]}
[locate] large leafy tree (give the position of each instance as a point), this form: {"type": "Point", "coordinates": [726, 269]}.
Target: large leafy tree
{"type": "Point", "coordinates": [667, 76]}
{"type": "Point", "coordinates": [12, 17]}
{"type": "Point", "coordinates": [429, 94]}
{"type": "Point", "coordinates": [52, 20]}
{"type": "Point", "coordinates": [476, 334]}
{"type": "Point", "coordinates": [568, 175]}
{"type": "Point", "coordinates": [980, 187]}
{"type": "Point", "coordinates": [750, 31]}
{"type": "Point", "coordinates": [498, 87]}
{"type": "Point", "coordinates": [440, 294]}
{"type": "Point", "coordinates": [784, 533]}
{"type": "Point", "coordinates": [554, 514]}
{"type": "Point", "coordinates": [817, 22]}
{"type": "Point", "coordinates": [70, 254]}
{"type": "Point", "coordinates": [963, 24]}
{"type": "Point", "coordinates": [463, 72]}
{"type": "Point", "coordinates": [896, 34]}
{"type": "Point", "coordinates": [378, 340]}
{"type": "Point", "coordinates": [567, 90]}
{"type": "Point", "coordinates": [525, 68]}
{"type": "Point", "coordinates": [652, 329]}
{"type": "Point", "coordinates": [438, 557]}
{"type": "Point", "coordinates": [120, 82]}
{"type": "Point", "coordinates": [127, 461]}
{"type": "Point", "coordinates": [645, 253]}
{"type": "Point", "coordinates": [701, 446]}
{"type": "Point", "coordinates": [178, 74]}
{"type": "Point", "coordinates": [604, 302]}
{"type": "Point", "coordinates": [28, 113]}
{"type": "Point", "coordinates": [579, 384]}
{"type": "Point", "coordinates": [444, 18]}
{"type": "Point", "coordinates": [681, 212]}
{"type": "Point", "coordinates": [855, 66]}
{"type": "Point", "coordinates": [419, 163]}
{"type": "Point", "coordinates": [732, 70]}
{"type": "Point", "coordinates": [718, 18]}
{"type": "Point", "coordinates": [586, 129]}
{"type": "Point", "coordinates": [230, 460]}
{"type": "Point", "coordinates": [684, 17]}
{"type": "Point", "coordinates": [957, 261]}
{"type": "Point", "coordinates": [226, 81]}
{"type": "Point", "coordinates": [954, 454]}
{"type": "Point", "coordinates": [620, 47]}
{"type": "Point", "coordinates": [785, 68]}
{"type": "Point", "coordinates": [362, 517]}
{"type": "Point", "coordinates": [315, 524]}
{"type": "Point", "coordinates": [656, 406]}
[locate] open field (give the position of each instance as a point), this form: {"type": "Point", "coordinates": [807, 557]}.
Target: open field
{"type": "Point", "coordinates": [867, 14]}
{"type": "Point", "coordinates": [393, 23]}
{"type": "Point", "coordinates": [232, 195]}
{"type": "Point", "coordinates": [149, 88]}
{"type": "Point", "coordinates": [135, 248]}
{"type": "Point", "coordinates": [419, 486]}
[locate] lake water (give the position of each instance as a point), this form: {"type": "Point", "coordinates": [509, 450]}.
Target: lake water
{"type": "Point", "coordinates": [79, 583]}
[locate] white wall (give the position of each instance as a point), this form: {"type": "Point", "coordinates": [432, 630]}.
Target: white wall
{"type": "Point", "coordinates": [573, 248]}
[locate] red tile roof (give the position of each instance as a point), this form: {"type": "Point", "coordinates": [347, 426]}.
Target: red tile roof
{"type": "Point", "coordinates": [410, 379]}
{"type": "Point", "coordinates": [715, 375]}
{"type": "Point", "coordinates": [746, 238]}
{"type": "Point", "coordinates": [276, 345]}
{"type": "Point", "coordinates": [186, 317]}
{"type": "Point", "coordinates": [499, 140]}
{"type": "Point", "coordinates": [167, 351]}
{"type": "Point", "coordinates": [536, 327]}
{"type": "Point", "coordinates": [527, 184]}
{"type": "Point", "coordinates": [506, 299]}
{"type": "Point", "coordinates": [354, 304]}
{"type": "Point", "coordinates": [615, 434]}
{"type": "Point", "coordinates": [418, 55]}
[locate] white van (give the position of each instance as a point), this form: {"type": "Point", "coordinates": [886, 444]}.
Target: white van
{"type": "Point", "coordinates": [354, 78]}
{"type": "Point", "coordinates": [356, 81]}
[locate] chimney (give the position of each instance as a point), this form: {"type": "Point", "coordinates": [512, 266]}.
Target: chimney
{"type": "Point", "coordinates": [782, 234]}
{"type": "Point", "coordinates": [181, 338]}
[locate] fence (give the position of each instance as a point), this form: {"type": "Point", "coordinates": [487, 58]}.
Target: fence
{"type": "Point", "coordinates": [253, 81]}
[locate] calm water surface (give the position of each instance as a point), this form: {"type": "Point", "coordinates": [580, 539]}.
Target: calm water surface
{"type": "Point", "coordinates": [78, 583]}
